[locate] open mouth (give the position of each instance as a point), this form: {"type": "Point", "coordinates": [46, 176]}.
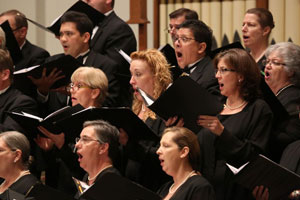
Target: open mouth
{"type": "Point", "coordinates": [179, 54]}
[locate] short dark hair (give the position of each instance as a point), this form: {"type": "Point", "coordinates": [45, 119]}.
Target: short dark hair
{"type": "Point", "coordinates": [6, 63]}
{"type": "Point", "coordinates": [243, 63]}
{"type": "Point", "coordinates": [106, 133]}
{"type": "Point", "coordinates": [20, 18]}
{"type": "Point", "coordinates": [186, 138]}
{"type": "Point", "coordinates": [265, 17]}
{"type": "Point", "coordinates": [187, 13]}
{"type": "Point", "coordinates": [81, 20]}
{"type": "Point", "coordinates": [201, 32]}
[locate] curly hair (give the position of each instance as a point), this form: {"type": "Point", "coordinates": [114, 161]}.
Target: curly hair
{"type": "Point", "coordinates": [161, 73]}
{"type": "Point", "coordinates": [243, 63]}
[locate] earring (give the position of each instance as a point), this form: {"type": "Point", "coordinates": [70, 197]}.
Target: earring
{"type": "Point", "coordinates": [240, 80]}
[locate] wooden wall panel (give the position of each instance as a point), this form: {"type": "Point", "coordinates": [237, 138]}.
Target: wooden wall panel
{"type": "Point", "coordinates": [278, 11]}
{"type": "Point", "coordinates": [292, 23]}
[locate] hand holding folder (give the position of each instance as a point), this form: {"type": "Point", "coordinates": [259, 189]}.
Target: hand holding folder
{"type": "Point", "coordinates": [262, 171]}
{"type": "Point", "coordinates": [185, 98]}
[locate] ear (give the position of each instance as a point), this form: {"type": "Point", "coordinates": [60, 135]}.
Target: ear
{"type": "Point", "coordinates": [240, 78]}
{"type": "Point", "coordinates": [104, 148]}
{"type": "Point", "coordinates": [202, 47]}
{"type": "Point", "coordinates": [5, 74]}
{"type": "Point", "coordinates": [18, 155]}
{"type": "Point", "coordinates": [86, 37]}
{"type": "Point", "coordinates": [266, 31]}
{"type": "Point", "coordinates": [95, 93]}
{"type": "Point", "coordinates": [184, 152]}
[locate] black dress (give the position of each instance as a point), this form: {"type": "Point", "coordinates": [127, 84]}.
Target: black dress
{"type": "Point", "coordinates": [195, 188]}
{"type": "Point", "coordinates": [286, 131]}
{"type": "Point", "coordinates": [23, 185]}
{"type": "Point", "coordinates": [246, 134]}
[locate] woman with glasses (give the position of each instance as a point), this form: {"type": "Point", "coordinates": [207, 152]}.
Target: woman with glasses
{"type": "Point", "coordinates": [14, 159]}
{"type": "Point", "coordinates": [257, 26]}
{"type": "Point", "coordinates": [282, 74]}
{"type": "Point", "coordinates": [88, 88]}
{"type": "Point", "coordinates": [243, 127]}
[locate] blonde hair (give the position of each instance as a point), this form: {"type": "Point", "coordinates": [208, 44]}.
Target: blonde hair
{"type": "Point", "coordinates": [161, 73]}
{"type": "Point", "coordinates": [94, 78]}
{"type": "Point", "coordinates": [2, 39]}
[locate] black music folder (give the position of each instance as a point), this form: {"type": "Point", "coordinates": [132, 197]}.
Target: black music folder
{"type": "Point", "coordinates": [31, 122]}
{"type": "Point", "coordinates": [11, 43]}
{"type": "Point", "coordinates": [120, 117]}
{"type": "Point", "coordinates": [233, 45]}
{"type": "Point", "coordinates": [186, 98]}
{"type": "Point", "coordinates": [44, 192]}
{"type": "Point", "coordinates": [170, 55]}
{"type": "Point", "coordinates": [95, 16]}
{"type": "Point", "coordinates": [67, 64]}
{"type": "Point", "coordinates": [114, 187]}
{"type": "Point", "coordinates": [263, 171]}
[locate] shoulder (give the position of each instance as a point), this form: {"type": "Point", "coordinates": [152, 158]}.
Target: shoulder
{"type": "Point", "coordinates": [35, 49]}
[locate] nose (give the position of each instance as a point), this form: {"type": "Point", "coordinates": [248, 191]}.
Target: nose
{"type": "Point", "coordinates": [158, 152]}
{"type": "Point", "coordinates": [244, 28]}
{"type": "Point", "coordinates": [218, 74]}
{"type": "Point", "coordinates": [132, 80]}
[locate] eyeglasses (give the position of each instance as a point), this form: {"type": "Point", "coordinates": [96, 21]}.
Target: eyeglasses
{"type": "Point", "coordinates": [272, 63]}
{"type": "Point", "coordinates": [171, 28]}
{"type": "Point", "coordinates": [85, 140]}
{"type": "Point", "coordinates": [183, 39]}
{"type": "Point", "coordinates": [75, 87]}
{"type": "Point", "coordinates": [224, 70]}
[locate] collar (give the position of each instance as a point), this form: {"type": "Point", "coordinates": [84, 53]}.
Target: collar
{"type": "Point", "coordinates": [192, 66]}
{"type": "Point", "coordinates": [21, 47]}
{"type": "Point", "coordinates": [107, 13]}
{"type": "Point", "coordinates": [83, 54]}
{"type": "Point", "coordinates": [4, 90]}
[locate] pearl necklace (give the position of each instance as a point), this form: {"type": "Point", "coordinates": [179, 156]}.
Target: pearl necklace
{"type": "Point", "coordinates": [99, 172]}
{"type": "Point", "coordinates": [279, 91]}
{"type": "Point", "coordinates": [231, 108]}
{"type": "Point", "coordinates": [186, 178]}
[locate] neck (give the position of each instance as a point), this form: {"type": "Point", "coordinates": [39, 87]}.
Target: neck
{"type": "Point", "coordinates": [234, 100]}
{"type": "Point", "coordinates": [181, 174]}
{"type": "Point", "coordinates": [13, 176]}
{"type": "Point", "coordinates": [258, 51]}
{"type": "Point", "coordinates": [93, 173]}
{"type": "Point", "coordinates": [276, 89]}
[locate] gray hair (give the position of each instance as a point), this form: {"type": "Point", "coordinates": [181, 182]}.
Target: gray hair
{"type": "Point", "coordinates": [290, 54]}
{"type": "Point", "coordinates": [2, 39]}
{"type": "Point", "coordinates": [106, 133]}
{"type": "Point", "coordinates": [16, 140]}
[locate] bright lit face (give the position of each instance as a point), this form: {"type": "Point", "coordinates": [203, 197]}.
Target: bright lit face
{"type": "Point", "coordinates": [228, 80]}
{"type": "Point", "coordinates": [169, 154]}
{"type": "Point", "coordinates": [88, 149]}
{"type": "Point", "coordinates": [141, 77]}
{"type": "Point", "coordinates": [72, 42]}
{"type": "Point", "coordinates": [82, 94]}
{"type": "Point", "coordinates": [174, 24]}
{"type": "Point", "coordinates": [253, 33]}
{"type": "Point", "coordinates": [275, 75]}
{"type": "Point", "coordinates": [188, 50]}
{"type": "Point", "coordinates": [7, 158]}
